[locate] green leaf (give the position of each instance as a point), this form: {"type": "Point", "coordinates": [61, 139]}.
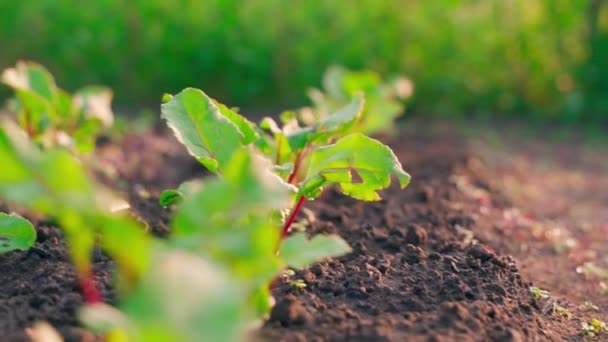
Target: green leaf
{"type": "Point", "coordinates": [16, 233]}
{"type": "Point", "coordinates": [95, 102]}
{"type": "Point", "coordinates": [281, 149]}
{"type": "Point", "coordinates": [170, 197]}
{"type": "Point", "coordinates": [291, 139]}
{"type": "Point", "coordinates": [339, 122]}
{"type": "Point", "coordinates": [31, 77]}
{"type": "Point", "coordinates": [298, 251]}
{"type": "Point", "coordinates": [229, 219]}
{"type": "Point", "coordinates": [183, 297]}
{"type": "Point", "coordinates": [379, 115]}
{"type": "Point", "coordinates": [56, 183]}
{"type": "Point", "coordinates": [246, 127]}
{"type": "Point", "coordinates": [199, 124]}
{"type": "Point", "coordinates": [366, 81]}
{"type": "Point", "coordinates": [354, 156]}
{"type": "Point", "coordinates": [127, 242]}
{"type": "Point", "coordinates": [260, 300]}
{"type": "Point", "coordinates": [37, 94]}
{"type": "Point", "coordinates": [333, 81]}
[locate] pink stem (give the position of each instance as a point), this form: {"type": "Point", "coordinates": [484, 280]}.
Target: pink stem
{"type": "Point", "coordinates": [89, 289]}
{"type": "Point", "coordinates": [292, 217]}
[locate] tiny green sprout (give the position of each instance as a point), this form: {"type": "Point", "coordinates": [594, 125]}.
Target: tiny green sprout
{"type": "Point", "coordinates": [593, 328]}
{"type": "Point", "coordinates": [589, 306]}
{"type": "Point", "coordinates": [539, 293]}
{"type": "Point", "coordinates": [288, 273]}
{"type": "Point", "coordinates": [562, 311]}
{"type": "Point", "coordinates": [298, 284]}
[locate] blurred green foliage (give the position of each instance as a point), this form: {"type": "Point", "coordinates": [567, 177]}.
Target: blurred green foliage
{"type": "Point", "coordinates": [523, 57]}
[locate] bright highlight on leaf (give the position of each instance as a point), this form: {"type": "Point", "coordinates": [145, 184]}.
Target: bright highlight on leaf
{"type": "Point", "coordinates": [16, 233]}
{"type": "Point", "coordinates": [359, 165]}
{"type": "Point", "coordinates": [212, 133]}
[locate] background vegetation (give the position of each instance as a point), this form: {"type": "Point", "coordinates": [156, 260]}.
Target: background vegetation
{"type": "Point", "coordinates": [533, 58]}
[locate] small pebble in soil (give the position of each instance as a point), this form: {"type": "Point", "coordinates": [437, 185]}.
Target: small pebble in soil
{"type": "Point", "coordinates": [425, 194]}
{"type": "Point", "coordinates": [416, 235]}
{"type": "Point", "coordinates": [480, 252]}
{"type": "Point", "coordinates": [289, 311]}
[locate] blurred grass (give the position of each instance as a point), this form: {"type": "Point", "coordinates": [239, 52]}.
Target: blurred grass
{"type": "Point", "coordinates": [525, 58]}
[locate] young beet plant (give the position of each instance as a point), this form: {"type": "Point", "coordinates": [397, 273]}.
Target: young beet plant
{"type": "Point", "coordinates": [152, 273]}
{"type": "Point", "coordinates": [384, 100]}
{"type": "Point", "coordinates": [49, 118]}
{"type": "Point", "coordinates": [36, 179]}
{"type": "Point", "coordinates": [304, 159]}
{"type": "Point", "coordinates": [52, 117]}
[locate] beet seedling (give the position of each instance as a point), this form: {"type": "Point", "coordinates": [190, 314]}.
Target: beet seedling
{"type": "Point", "coordinates": [328, 151]}
{"type": "Point", "coordinates": [384, 100]}
{"type": "Point", "coordinates": [37, 180]}
{"type": "Point", "coordinates": [260, 171]}
{"type": "Point", "coordinates": [52, 117]}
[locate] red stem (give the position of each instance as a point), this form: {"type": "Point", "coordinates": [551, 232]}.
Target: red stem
{"type": "Point", "coordinates": [291, 219]}
{"type": "Point", "coordinates": [89, 289]}
{"type": "Point", "coordinates": [285, 232]}
{"type": "Point", "coordinates": [294, 212]}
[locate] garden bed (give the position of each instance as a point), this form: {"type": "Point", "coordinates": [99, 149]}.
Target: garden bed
{"type": "Point", "coordinates": [419, 269]}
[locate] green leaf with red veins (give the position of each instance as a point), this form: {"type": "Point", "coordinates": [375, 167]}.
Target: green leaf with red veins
{"type": "Point", "coordinates": [198, 123]}
{"type": "Point", "coordinates": [354, 156]}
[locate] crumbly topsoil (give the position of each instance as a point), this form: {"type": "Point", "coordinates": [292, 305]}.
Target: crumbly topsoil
{"type": "Point", "coordinates": [418, 272]}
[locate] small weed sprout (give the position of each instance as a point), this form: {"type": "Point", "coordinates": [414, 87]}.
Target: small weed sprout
{"type": "Point", "coordinates": [298, 284]}
{"type": "Point", "coordinates": [539, 293]}
{"type": "Point", "coordinates": [593, 328]}
{"type": "Point", "coordinates": [557, 309]}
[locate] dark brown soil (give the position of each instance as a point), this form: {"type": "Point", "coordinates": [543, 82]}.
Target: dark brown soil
{"type": "Point", "coordinates": [414, 274]}
{"type": "Point", "coordinates": [423, 266]}
{"type": "Point", "coordinates": [42, 286]}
